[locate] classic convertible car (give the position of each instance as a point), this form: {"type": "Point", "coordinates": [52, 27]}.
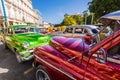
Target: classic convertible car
{"type": "Point", "coordinates": [75, 59]}
{"type": "Point", "coordinates": [22, 39]}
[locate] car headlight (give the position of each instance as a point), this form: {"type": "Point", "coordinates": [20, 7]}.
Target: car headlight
{"type": "Point", "coordinates": [26, 44]}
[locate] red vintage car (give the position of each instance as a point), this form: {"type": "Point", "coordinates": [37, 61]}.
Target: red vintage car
{"type": "Point", "coordinates": [76, 59]}
{"type": "Point", "coordinates": [44, 30]}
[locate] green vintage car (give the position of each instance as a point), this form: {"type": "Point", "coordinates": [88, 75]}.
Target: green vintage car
{"type": "Point", "coordinates": [22, 39]}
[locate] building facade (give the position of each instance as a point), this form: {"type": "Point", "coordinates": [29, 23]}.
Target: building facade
{"type": "Point", "coordinates": [46, 24]}
{"type": "Point", "coordinates": [17, 12]}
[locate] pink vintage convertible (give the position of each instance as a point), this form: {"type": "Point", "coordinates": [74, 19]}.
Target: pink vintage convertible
{"type": "Point", "coordinates": [76, 59]}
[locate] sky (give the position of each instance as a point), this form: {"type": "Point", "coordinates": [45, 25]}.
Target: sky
{"type": "Point", "coordinates": [53, 11]}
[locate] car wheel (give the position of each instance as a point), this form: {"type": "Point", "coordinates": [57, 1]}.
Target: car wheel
{"type": "Point", "coordinates": [18, 57]}
{"type": "Point", "coordinates": [42, 74]}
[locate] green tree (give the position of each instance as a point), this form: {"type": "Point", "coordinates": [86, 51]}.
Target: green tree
{"type": "Point", "coordinates": [72, 20]}
{"type": "Point", "coordinates": [69, 21]}
{"type": "Point", "coordinates": [78, 18]}
{"type": "Point", "coordinates": [102, 7]}
{"type": "Point", "coordinates": [90, 19]}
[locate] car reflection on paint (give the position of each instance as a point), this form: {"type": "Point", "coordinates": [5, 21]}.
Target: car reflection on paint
{"type": "Point", "coordinates": [74, 59]}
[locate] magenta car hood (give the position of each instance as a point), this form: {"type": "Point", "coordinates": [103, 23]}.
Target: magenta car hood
{"type": "Point", "coordinates": [76, 44]}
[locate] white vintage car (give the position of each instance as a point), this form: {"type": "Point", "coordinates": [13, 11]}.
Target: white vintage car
{"type": "Point", "coordinates": [79, 31]}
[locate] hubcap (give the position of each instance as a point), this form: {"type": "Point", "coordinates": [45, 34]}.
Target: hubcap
{"type": "Point", "coordinates": [42, 75]}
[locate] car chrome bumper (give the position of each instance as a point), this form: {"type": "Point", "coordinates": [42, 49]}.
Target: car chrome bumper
{"type": "Point", "coordinates": [27, 51]}
{"type": "Point", "coordinates": [28, 57]}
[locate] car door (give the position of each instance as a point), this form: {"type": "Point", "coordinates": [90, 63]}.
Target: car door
{"type": "Point", "coordinates": [114, 54]}
{"type": "Point", "coordinates": [106, 62]}
{"type": "Point", "coordinates": [80, 32]}
{"type": "Point", "coordinates": [109, 69]}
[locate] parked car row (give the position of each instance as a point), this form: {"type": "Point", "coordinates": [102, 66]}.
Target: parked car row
{"type": "Point", "coordinates": [73, 54]}
{"type": "Point", "coordinates": [22, 39]}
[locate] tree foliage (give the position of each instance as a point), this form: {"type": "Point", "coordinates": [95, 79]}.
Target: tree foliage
{"type": "Point", "coordinates": [78, 19]}
{"type": "Point", "coordinates": [72, 20]}
{"type": "Point", "coordinates": [102, 7]}
{"type": "Point", "coordinates": [90, 19]}
{"type": "Point", "coordinates": [69, 21]}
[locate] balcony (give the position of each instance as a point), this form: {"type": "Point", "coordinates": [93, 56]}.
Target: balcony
{"type": "Point", "coordinates": [9, 1]}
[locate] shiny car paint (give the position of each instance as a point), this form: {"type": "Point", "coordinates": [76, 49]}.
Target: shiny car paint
{"type": "Point", "coordinates": [77, 60]}
{"type": "Point", "coordinates": [68, 60]}
{"type": "Point", "coordinates": [15, 40]}
{"type": "Point", "coordinates": [43, 30]}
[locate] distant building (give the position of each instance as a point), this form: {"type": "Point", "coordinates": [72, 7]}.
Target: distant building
{"type": "Point", "coordinates": [17, 12]}
{"type": "Point", "coordinates": [40, 20]}
{"type": "Point", "coordinates": [46, 24]}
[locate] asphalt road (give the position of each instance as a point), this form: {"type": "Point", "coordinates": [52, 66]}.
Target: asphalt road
{"type": "Point", "coordinates": [10, 69]}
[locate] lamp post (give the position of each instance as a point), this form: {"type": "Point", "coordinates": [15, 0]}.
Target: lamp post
{"type": "Point", "coordinates": [4, 12]}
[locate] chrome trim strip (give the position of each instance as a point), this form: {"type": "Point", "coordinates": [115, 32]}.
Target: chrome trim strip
{"type": "Point", "coordinates": [110, 59]}
{"type": "Point", "coordinates": [56, 68]}
{"type": "Point", "coordinates": [113, 60]}
{"type": "Point", "coordinates": [29, 51]}
{"type": "Point", "coordinates": [28, 58]}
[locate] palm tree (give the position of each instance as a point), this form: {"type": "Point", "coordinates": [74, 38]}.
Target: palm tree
{"type": "Point", "coordinates": [92, 18]}
{"type": "Point", "coordinates": [85, 14]}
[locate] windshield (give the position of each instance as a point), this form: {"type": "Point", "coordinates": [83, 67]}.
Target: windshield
{"type": "Point", "coordinates": [20, 30]}
{"type": "Point", "coordinates": [95, 31]}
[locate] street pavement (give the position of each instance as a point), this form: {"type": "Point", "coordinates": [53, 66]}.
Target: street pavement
{"type": "Point", "coordinates": [10, 69]}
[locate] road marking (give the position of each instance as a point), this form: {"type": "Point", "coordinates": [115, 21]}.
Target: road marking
{"type": "Point", "coordinates": [28, 71]}
{"type": "Point", "coordinates": [3, 70]}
